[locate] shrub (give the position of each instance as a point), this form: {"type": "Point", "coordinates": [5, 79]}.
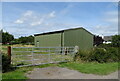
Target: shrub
{"type": "Point", "coordinates": [105, 45]}
{"type": "Point", "coordinates": [5, 63]}
{"type": "Point", "coordinates": [83, 55]}
{"type": "Point", "coordinates": [112, 54]}
{"type": "Point", "coordinates": [100, 55]}
{"type": "Point", "coordinates": [116, 41]}
{"type": "Point", "coordinates": [118, 54]}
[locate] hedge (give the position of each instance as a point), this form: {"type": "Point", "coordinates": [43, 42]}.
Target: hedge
{"type": "Point", "coordinates": [100, 55]}
{"type": "Point", "coordinates": [6, 66]}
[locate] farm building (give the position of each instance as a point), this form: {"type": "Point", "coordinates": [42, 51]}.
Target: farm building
{"type": "Point", "coordinates": [69, 37]}
{"type": "Point", "coordinates": [107, 39]}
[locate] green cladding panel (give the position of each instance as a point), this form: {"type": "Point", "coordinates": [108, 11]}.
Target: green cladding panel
{"type": "Point", "coordinates": [72, 37]}
{"type": "Point", "coordinates": [78, 37]}
{"type": "Point", "coordinates": [48, 40]}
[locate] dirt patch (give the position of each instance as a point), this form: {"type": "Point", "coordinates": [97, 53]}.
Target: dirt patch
{"type": "Point", "coordinates": [64, 73]}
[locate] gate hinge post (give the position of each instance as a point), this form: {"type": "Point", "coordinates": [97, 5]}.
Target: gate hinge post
{"type": "Point", "coordinates": [9, 53]}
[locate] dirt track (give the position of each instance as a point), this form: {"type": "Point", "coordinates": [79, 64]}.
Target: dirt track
{"type": "Point", "coordinates": [64, 73]}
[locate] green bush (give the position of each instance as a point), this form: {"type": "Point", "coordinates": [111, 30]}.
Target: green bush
{"type": "Point", "coordinates": [112, 54]}
{"type": "Point", "coordinates": [116, 41]}
{"type": "Point", "coordinates": [100, 55]}
{"type": "Point", "coordinates": [119, 54]}
{"type": "Point", "coordinates": [83, 55]}
{"type": "Point", "coordinates": [5, 63]}
{"type": "Point", "coordinates": [105, 45]}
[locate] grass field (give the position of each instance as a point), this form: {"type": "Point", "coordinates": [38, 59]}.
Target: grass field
{"type": "Point", "coordinates": [4, 47]}
{"type": "Point", "coordinates": [39, 57]}
{"type": "Point", "coordinates": [35, 55]}
{"type": "Point", "coordinates": [25, 56]}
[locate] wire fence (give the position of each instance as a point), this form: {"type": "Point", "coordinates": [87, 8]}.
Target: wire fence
{"type": "Point", "coordinates": [27, 56]}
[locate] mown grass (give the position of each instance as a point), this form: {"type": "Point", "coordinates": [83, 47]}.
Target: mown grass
{"type": "Point", "coordinates": [92, 68]}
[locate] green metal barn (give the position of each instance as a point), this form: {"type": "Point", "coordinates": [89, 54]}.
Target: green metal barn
{"type": "Point", "coordinates": [70, 37]}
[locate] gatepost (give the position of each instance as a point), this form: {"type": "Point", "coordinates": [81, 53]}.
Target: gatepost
{"type": "Point", "coordinates": [76, 51]}
{"type": "Point", "coordinates": [9, 54]}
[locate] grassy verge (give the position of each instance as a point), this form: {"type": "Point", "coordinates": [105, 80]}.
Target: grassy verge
{"type": "Point", "coordinates": [88, 68]}
{"type": "Point", "coordinates": [19, 73]}
{"type": "Point", "coordinates": [92, 68]}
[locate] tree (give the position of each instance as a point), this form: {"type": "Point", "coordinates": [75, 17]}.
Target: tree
{"type": "Point", "coordinates": [0, 36]}
{"type": "Point", "coordinates": [25, 40]}
{"type": "Point", "coordinates": [31, 39]}
{"type": "Point", "coordinates": [116, 40]}
{"type": "Point", "coordinates": [6, 37]}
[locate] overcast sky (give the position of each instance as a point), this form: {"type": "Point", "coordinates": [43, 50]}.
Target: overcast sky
{"type": "Point", "coordinates": [29, 18]}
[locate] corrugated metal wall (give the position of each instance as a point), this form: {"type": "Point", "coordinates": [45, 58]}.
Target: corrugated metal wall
{"type": "Point", "coordinates": [73, 37]}
{"type": "Point", "coordinates": [48, 40]}
{"type": "Point", "coordinates": [87, 40]}
{"type": "Point", "coordinates": [78, 37]}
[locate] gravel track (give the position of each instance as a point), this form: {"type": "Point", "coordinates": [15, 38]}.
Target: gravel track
{"type": "Point", "coordinates": [64, 73]}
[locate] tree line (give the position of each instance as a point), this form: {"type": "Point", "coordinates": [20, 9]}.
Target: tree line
{"type": "Point", "coordinates": [8, 38]}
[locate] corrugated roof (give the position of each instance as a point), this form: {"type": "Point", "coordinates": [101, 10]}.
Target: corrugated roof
{"type": "Point", "coordinates": [61, 31]}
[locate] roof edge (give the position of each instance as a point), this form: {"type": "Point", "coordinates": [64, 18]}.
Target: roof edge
{"type": "Point", "coordinates": [62, 31]}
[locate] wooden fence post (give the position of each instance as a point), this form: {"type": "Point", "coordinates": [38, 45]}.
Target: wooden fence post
{"type": "Point", "coordinates": [9, 53]}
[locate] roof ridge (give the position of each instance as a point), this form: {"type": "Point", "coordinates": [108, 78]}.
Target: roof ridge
{"type": "Point", "coordinates": [61, 31]}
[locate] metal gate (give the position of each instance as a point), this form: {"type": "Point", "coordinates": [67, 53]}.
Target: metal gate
{"type": "Point", "coordinates": [27, 56]}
